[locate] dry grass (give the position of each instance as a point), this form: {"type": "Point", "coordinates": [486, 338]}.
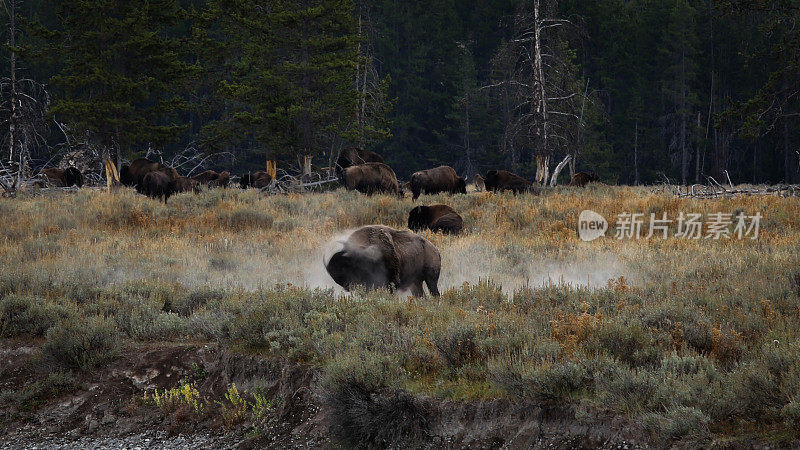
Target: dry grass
{"type": "Point", "coordinates": [660, 330]}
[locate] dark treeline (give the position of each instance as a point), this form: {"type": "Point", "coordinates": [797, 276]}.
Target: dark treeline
{"type": "Point", "coordinates": [636, 90]}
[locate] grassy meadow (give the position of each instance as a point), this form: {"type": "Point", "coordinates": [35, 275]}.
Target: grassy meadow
{"type": "Point", "coordinates": [693, 339]}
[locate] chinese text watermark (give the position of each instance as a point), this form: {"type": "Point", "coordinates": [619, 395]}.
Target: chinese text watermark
{"type": "Point", "coordinates": [716, 226]}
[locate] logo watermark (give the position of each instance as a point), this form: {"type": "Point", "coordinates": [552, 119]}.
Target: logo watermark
{"type": "Point", "coordinates": [591, 225]}
{"type": "Point", "coordinates": [715, 226]}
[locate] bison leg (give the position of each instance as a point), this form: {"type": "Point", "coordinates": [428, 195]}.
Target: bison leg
{"type": "Point", "coordinates": [416, 289]}
{"type": "Point", "coordinates": [432, 280]}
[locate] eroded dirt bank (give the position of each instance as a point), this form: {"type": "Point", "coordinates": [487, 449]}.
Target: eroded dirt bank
{"type": "Point", "coordinates": [105, 409]}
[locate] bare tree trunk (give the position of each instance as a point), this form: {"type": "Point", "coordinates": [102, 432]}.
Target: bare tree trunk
{"type": "Point", "coordinates": [636, 153]}
{"type": "Point", "coordinates": [684, 152]}
{"type": "Point", "coordinates": [697, 153]}
{"type": "Point", "coordinates": [559, 168]}
{"type": "Point", "coordinates": [467, 148]}
{"type": "Point", "coordinates": [786, 161]}
{"type": "Point", "coordinates": [12, 136]}
{"type": "Point", "coordinates": [581, 131]}
{"type": "Point", "coordinates": [542, 168]}
{"type": "Point", "coordinates": [541, 104]}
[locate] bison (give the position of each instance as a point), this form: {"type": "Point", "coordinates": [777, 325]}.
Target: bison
{"type": "Point", "coordinates": [133, 174]}
{"type": "Point", "coordinates": [64, 177]}
{"type": "Point", "coordinates": [354, 156]}
{"type": "Point", "coordinates": [158, 184]}
{"type": "Point", "coordinates": [184, 184]}
{"type": "Point", "coordinates": [258, 180]}
{"type": "Point", "coordinates": [439, 179]}
{"type": "Point", "coordinates": [436, 218]}
{"type": "Point", "coordinates": [224, 179]}
{"type": "Point", "coordinates": [378, 256]}
{"type": "Point", "coordinates": [581, 179]}
{"type": "Point", "coordinates": [503, 180]}
{"type": "Point", "coordinates": [479, 184]}
{"type": "Point", "coordinates": [371, 178]}
{"type": "Point", "coordinates": [206, 177]}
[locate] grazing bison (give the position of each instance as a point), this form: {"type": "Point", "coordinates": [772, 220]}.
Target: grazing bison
{"type": "Point", "coordinates": [479, 184]}
{"type": "Point", "coordinates": [371, 178]}
{"type": "Point", "coordinates": [436, 218]}
{"type": "Point", "coordinates": [258, 180]}
{"type": "Point", "coordinates": [64, 177]}
{"type": "Point", "coordinates": [208, 178]}
{"type": "Point", "coordinates": [503, 180]}
{"type": "Point", "coordinates": [354, 156]}
{"type": "Point", "coordinates": [377, 256]}
{"type": "Point", "coordinates": [133, 173]}
{"type": "Point", "coordinates": [439, 179]}
{"type": "Point", "coordinates": [581, 179]}
{"type": "Point", "coordinates": [184, 184]}
{"type": "Point", "coordinates": [158, 184]}
{"type": "Point", "coordinates": [224, 179]}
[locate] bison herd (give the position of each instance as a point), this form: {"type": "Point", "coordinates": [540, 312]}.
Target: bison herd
{"type": "Point", "coordinates": [378, 256]}
{"type": "Point", "coordinates": [157, 180]}
{"type": "Point", "coordinates": [374, 256]}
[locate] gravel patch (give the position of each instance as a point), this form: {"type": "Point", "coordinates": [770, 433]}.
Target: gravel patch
{"type": "Point", "coordinates": [137, 441]}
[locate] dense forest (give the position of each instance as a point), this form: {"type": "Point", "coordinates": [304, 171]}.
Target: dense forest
{"type": "Point", "coordinates": [635, 90]}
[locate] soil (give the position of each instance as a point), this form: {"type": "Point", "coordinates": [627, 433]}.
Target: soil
{"type": "Point", "coordinates": [106, 410]}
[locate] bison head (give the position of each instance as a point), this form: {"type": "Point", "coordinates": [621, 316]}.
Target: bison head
{"type": "Point", "coordinates": [125, 175]}
{"type": "Point", "coordinates": [245, 181]}
{"type": "Point", "coordinates": [418, 218]}
{"type": "Point", "coordinates": [352, 267]}
{"type": "Point", "coordinates": [73, 177]}
{"type": "Point", "coordinates": [491, 180]}
{"type": "Point", "coordinates": [461, 185]}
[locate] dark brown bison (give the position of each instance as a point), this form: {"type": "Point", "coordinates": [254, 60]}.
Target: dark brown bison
{"type": "Point", "coordinates": [184, 184]}
{"type": "Point", "coordinates": [133, 173]}
{"type": "Point", "coordinates": [371, 178]}
{"type": "Point", "coordinates": [377, 256]}
{"type": "Point", "coordinates": [439, 179]}
{"type": "Point", "coordinates": [224, 179]}
{"type": "Point", "coordinates": [436, 218]}
{"type": "Point", "coordinates": [354, 156]}
{"type": "Point", "coordinates": [581, 179]}
{"type": "Point", "coordinates": [158, 184]}
{"type": "Point", "coordinates": [479, 184]}
{"type": "Point", "coordinates": [64, 177]}
{"type": "Point", "coordinates": [503, 180]}
{"type": "Point", "coordinates": [258, 180]}
{"type": "Point", "coordinates": [209, 178]}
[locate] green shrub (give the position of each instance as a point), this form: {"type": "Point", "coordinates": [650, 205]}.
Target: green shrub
{"type": "Point", "coordinates": [364, 368]}
{"type": "Point", "coordinates": [677, 423]}
{"type": "Point", "coordinates": [791, 414]}
{"type": "Point", "coordinates": [628, 390]}
{"type": "Point", "coordinates": [82, 344]}
{"type": "Point", "coordinates": [628, 343]}
{"type": "Point", "coordinates": [22, 315]}
{"type": "Point", "coordinates": [187, 304]}
{"type": "Point", "coordinates": [39, 392]}
{"type": "Point", "coordinates": [457, 346]}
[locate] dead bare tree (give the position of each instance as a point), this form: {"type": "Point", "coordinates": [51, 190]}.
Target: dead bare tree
{"type": "Point", "coordinates": [546, 95]}
{"type": "Point", "coordinates": [373, 102]}
{"type": "Point", "coordinates": [23, 109]}
{"type": "Point", "coordinates": [189, 161]}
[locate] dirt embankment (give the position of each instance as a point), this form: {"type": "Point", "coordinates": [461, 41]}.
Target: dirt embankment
{"type": "Point", "coordinates": [105, 409]}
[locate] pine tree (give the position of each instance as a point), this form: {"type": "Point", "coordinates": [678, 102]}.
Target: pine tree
{"type": "Point", "coordinates": [123, 74]}
{"type": "Point", "coordinates": [288, 86]}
